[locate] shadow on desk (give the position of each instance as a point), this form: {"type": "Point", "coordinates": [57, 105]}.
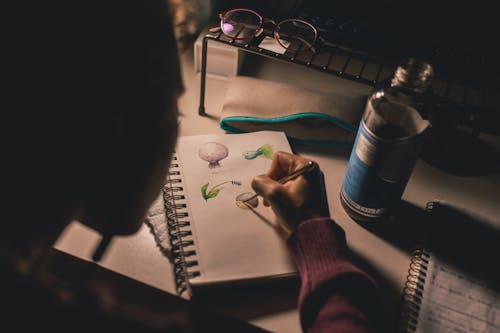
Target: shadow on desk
{"type": "Point", "coordinates": [253, 300]}
{"type": "Point", "coordinates": [460, 237]}
{"type": "Point", "coordinates": [460, 153]}
{"type": "Point", "coordinates": [405, 229]}
{"type": "Point", "coordinates": [127, 303]}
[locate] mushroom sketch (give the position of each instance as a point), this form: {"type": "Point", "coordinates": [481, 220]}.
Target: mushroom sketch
{"type": "Point", "coordinates": [244, 200]}
{"type": "Point", "coordinates": [213, 152]}
{"type": "Point", "coordinates": [265, 150]}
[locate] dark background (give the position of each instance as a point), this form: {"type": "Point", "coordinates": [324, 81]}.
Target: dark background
{"type": "Point", "coordinates": [458, 38]}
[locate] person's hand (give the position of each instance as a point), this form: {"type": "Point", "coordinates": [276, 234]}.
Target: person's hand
{"type": "Point", "coordinates": [298, 199]}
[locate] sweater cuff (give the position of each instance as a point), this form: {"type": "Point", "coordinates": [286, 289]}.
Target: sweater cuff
{"type": "Point", "coordinates": [320, 251]}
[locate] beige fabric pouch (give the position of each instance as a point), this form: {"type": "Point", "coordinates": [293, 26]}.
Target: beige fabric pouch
{"type": "Point", "coordinates": [306, 116]}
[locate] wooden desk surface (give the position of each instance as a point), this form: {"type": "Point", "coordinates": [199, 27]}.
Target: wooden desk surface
{"type": "Point", "coordinates": [385, 256]}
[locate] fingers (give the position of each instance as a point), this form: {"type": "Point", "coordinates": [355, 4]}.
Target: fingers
{"type": "Point", "coordinates": [294, 190]}
{"type": "Point", "coordinates": [274, 194]}
{"type": "Point", "coordinates": [299, 198]}
{"type": "Point", "coordinates": [267, 188]}
{"type": "Point", "coordinates": [285, 163]}
{"type": "Point", "coordinates": [283, 201]}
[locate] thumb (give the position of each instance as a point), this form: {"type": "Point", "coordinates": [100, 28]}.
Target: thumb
{"type": "Point", "coordinates": [264, 186]}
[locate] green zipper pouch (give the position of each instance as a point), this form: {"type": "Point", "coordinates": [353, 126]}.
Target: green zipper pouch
{"type": "Point", "coordinates": [305, 116]}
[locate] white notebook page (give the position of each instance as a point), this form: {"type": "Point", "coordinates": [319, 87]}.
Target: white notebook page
{"type": "Point", "coordinates": [231, 243]}
{"type": "Point", "coordinates": [455, 302]}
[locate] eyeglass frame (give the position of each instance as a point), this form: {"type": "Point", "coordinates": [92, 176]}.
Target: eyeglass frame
{"type": "Point", "coordinates": [260, 28]}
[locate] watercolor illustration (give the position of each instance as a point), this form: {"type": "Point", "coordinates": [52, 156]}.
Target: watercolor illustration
{"type": "Point", "coordinates": [213, 153]}
{"type": "Point", "coordinates": [246, 199]}
{"type": "Point", "coordinates": [215, 190]}
{"type": "Point", "coordinates": [265, 151]}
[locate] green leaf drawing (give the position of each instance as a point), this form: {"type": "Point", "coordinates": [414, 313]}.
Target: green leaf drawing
{"type": "Point", "coordinates": [214, 191]}
{"type": "Point", "coordinates": [267, 151]}
{"type": "Point", "coordinates": [204, 192]}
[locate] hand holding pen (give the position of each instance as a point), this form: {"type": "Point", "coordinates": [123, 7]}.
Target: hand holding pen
{"type": "Point", "coordinates": [294, 189]}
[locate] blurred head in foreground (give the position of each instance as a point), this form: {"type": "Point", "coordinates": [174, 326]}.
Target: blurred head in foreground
{"type": "Point", "coordinates": [94, 88]}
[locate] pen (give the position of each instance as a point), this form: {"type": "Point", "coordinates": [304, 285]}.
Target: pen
{"type": "Point", "coordinates": [101, 248]}
{"type": "Point", "coordinates": [306, 168]}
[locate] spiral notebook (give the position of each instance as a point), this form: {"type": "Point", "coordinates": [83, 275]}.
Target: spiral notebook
{"type": "Point", "coordinates": [211, 237]}
{"type": "Point", "coordinates": [441, 296]}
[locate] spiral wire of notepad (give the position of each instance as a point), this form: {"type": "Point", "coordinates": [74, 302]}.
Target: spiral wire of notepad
{"type": "Point", "coordinates": [413, 290]}
{"type": "Point", "coordinates": [414, 285]}
{"type": "Point", "coordinates": [174, 199]}
{"type": "Point", "coordinates": [167, 219]}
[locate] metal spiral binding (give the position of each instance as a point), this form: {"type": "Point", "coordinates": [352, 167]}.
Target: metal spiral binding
{"type": "Point", "coordinates": [431, 205]}
{"type": "Point", "coordinates": [413, 290]}
{"type": "Point", "coordinates": [414, 285]}
{"type": "Point", "coordinates": [177, 226]}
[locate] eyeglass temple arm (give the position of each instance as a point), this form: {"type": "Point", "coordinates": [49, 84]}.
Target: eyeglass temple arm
{"type": "Point", "coordinates": [217, 28]}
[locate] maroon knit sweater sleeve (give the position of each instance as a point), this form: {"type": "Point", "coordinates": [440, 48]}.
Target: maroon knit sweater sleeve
{"type": "Point", "coordinates": [335, 296]}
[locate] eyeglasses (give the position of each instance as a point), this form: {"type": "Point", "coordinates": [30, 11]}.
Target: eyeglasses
{"type": "Point", "coordinates": [245, 24]}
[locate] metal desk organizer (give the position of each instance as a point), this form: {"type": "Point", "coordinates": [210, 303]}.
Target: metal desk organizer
{"type": "Point", "coordinates": [321, 61]}
{"type": "Point", "coordinates": [471, 100]}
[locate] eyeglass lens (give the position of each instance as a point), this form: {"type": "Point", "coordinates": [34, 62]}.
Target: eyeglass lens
{"type": "Point", "coordinates": [291, 34]}
{"type": "Point", "coordinates": [241, 24]}
{"type": "Point", "coordinates": [295, 35]}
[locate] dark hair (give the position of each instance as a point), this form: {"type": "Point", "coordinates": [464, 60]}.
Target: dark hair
{"type": "Point", "coordinates": [80, 72]}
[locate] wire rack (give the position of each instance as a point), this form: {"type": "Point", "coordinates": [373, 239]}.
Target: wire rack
{"type": "Point", "coordinates": [333, 59]}
{"type": "Point", "coordinates": [472, 101]}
